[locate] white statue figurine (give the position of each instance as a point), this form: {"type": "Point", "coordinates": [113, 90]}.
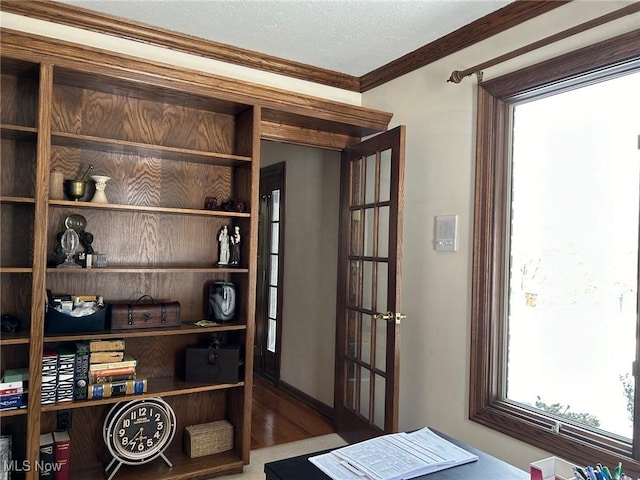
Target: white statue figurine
{"type": "Point", "coordinates": [223, 240]}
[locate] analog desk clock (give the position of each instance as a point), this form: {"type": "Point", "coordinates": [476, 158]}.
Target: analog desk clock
{"type": "Point", "coordinates": [137, 432]}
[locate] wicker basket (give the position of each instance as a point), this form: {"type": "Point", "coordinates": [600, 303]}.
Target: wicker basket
{"type": "Point", "coordinates": [208, 438]}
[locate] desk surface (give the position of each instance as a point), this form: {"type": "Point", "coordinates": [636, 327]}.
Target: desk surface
{"type": "Point", "coordinates": [486, 468]}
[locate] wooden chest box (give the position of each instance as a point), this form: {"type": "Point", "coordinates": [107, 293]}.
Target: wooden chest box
{"type": "Point", "coordinates": [145, 315]}
{"type": "Point", "coordinates": [208, 438]}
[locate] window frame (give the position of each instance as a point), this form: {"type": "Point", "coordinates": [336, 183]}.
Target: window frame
{"type": "Point", "coordinates": [490, 240]}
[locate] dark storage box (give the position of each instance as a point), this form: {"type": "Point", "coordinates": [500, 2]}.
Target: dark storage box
{"type": "Point", "coordinates": [212, 365]}
{"type": "Point", "coordinates": [58, 322]}
{"type": "Point", "coordinates": [145, 315]}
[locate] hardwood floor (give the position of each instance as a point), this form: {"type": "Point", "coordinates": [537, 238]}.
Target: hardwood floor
{"type": "Point", "coordinates": [279, 418]}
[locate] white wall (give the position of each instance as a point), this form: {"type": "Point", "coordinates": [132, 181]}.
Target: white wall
{"type": "Point", "coordinates": [440, 119]}
{"type": "Point", "coordinates": [310, 266]}
{"type": "Point", "coordinates": [436, 286]}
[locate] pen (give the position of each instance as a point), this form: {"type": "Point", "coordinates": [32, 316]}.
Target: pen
{"type": "Point", "coordinates": [607, 474]}
{"type": "Point", "coordinates": [617, 472]}
{"type": "Point", "coordinates": [579, 474]}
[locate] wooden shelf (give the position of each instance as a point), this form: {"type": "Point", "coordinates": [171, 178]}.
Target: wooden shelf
{"type": "Point", "coordinates": [16, 200]}
{"type": "Point", "coordinates": [110, 145]}
{"type": "Point", "coordinates": [142, 269]}
{"type": "Point", "coordinates": [183, 467]}
{"type": "Point", "coordinates": [157, 387]}
{"type": "Point", "coordinates": [184, 329]}
{"type": "Point", "coordinates": [140, 208]}
{"type": "Point", "coordinates": [19, 338]}
{"type": "Point", "coordinates": [16, 270]}
{"type": "Point", "coordinates": [18, 132]}
{"type": "Point", "coordinates": [13, 413]}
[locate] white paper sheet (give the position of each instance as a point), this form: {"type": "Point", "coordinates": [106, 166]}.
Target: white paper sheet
{"type": "Point", "coordinates": [396, 456]}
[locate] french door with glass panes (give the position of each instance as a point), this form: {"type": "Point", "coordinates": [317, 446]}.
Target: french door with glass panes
{"type": "Point", "coordinates": [268, 329]}
{"type": "Point", "coordinates": [368, 297]}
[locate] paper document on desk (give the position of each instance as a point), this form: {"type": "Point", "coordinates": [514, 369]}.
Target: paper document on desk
{"type": "Point", "coordinates": [396, 456]}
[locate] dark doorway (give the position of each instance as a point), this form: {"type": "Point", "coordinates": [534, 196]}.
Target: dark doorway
{"type": "Point", "coordinates": [268, 331]}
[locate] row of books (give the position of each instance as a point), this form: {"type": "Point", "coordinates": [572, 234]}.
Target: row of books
{"type": "Point", "coordinates": [94, 369]}
{"type": "Point", "coordinates": [14, 389]}
{"type": "Point", "coordinates": [55, 454]}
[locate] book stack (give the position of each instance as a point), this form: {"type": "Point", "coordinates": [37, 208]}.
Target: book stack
{"type": "Point", "coordinates": [55, 453]}
{"type": "Point", "coordinates": [12, 392]}
{"type": "Point", "coordinates": [49, 377]}
{"type": "Point", "coordinates": [112, 371]}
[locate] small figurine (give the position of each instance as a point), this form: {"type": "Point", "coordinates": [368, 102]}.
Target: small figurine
{"type": "Point", "coordinates": [223, 240]}
{"type": "Point", "coordinates": [235, 246]}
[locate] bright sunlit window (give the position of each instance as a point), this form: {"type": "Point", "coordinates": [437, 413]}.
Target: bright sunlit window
{"type": "Point", "coordinates": [554, 315]}
{"type": "Point", "coordinates": [573, 286]}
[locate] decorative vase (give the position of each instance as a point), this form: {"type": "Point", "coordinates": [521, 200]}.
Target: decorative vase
{"type": "Point", "coordinates": [101, 183]}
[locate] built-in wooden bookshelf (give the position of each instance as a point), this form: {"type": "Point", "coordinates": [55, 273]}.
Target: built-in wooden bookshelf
{"type": "Point", "coordinates": [168, 138]}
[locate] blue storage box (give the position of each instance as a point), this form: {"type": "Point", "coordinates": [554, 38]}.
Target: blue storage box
{"type": "Point", "coordinates": [60, 322]}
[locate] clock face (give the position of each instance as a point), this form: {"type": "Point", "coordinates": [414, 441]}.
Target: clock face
{"type": "Point", "coordinates": [139, 430]}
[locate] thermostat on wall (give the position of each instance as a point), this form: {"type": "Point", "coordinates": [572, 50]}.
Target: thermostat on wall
{"type": "Point", "coordinates": [446, 233]}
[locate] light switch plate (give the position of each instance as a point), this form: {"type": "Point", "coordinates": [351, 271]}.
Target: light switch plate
{"type": "Point", "coordinates": [446, 233]}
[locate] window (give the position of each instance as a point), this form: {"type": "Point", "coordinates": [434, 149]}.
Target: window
{"type": "Point", "coordinates": [555, 270]}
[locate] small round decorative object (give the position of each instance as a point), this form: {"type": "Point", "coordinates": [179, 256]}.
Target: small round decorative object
{"type": "Point", "coordinates": [76, 222]}
{"type": "Point", "coordinates": [138, 431]}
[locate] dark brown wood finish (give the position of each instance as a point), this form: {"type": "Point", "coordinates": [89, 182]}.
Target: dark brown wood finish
{"type": "Point", "coordinates": [278, 417]}
{"type": "Point", "coordinates": [486, 403]}
{"type": "Point", "coordinates": [483, 28]}
{"type": "Point", "coordinates": [352, 420]}
{"type": "Point", "coordinates": [152, 80]}
{"type": "Point", "coordinates": [503, 19]}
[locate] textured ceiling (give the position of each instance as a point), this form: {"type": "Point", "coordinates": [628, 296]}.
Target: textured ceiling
{"type": "Point", "coordinates": [347, 36]}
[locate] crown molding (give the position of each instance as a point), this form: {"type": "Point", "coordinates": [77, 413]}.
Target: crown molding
{"type": "Point", "coordinates": [507, 17]}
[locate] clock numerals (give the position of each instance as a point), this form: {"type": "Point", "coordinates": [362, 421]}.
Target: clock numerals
{"type": "Point", "coordinates": [140, 430]}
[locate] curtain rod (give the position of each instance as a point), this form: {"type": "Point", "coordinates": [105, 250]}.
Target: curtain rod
{"type": "Point", "coordinates": [457, 76]}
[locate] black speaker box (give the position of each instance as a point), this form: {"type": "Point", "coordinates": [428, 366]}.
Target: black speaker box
{"type": "Point", "coordinates": [205, 364]}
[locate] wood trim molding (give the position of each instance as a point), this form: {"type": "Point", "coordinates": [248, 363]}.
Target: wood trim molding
{"type": "Point", "coordinates": [507, 17]}
{"type": "Point", "coordinates": [282, 106]}
{"type": "Point", "coordinates": [102, 23]}
{"type": "Point", "coordinates": [317, 405]}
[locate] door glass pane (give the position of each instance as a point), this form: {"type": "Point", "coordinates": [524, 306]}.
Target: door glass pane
{"type": "Point", "coordinates": [275, 205]}
{"type": "Point", "coordinates": [385, 175]}
{"type": "Point", "coordinates": [271, 336]}
{"type": "Point", "coordinates": [365, 355]}
{"type": "Point", "coordinates": [365, 386]}
{"type": "Point", "coordinates": [275, 237]}
{"type": "Point", "coordinates": [378, 398]}
{"type": "Point", "coordinates": [381, 281]}
{"type": "Point", "coordinates": [356, 233]}
{"type": "Point", "coordinates": [381, 345]}
{"type": "Point", "coordinates": [354, 284]}
{"type": "Point", "coordinates": [273, 277]}
{"type": "Point", "coordinates": [383, 232]}
{"type": "Point", "coordinates": [368, 232]}
{"type": "Point", "coordinates": [356, 182]}
{"type": "Point", "coordinates": [367, 285]}
{"type": "Point", "coordinates": [350, 388]}
{"type": "Point", "coordinates": [370, 186]}
{"type": "Point", "coordinates": [273, 301]}
{"type": "Point", "coordinates": [574, 254]}
{"type": "Point", "coordinates": [352, 333]}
